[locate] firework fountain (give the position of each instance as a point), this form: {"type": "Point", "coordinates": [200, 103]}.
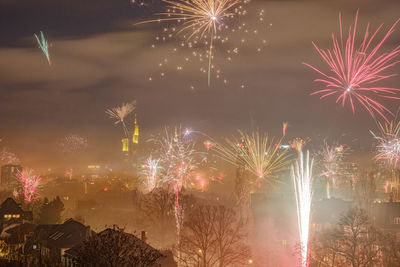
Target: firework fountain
{"type": "Point", "coordinates": [302, 181]}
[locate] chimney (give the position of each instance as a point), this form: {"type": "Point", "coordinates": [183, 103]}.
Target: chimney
{"type": "Point", "coordinates": [143, 236]}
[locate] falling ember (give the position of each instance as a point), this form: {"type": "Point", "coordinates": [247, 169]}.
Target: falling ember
{"type": "Point", "coordinates": [28, 185]}
{"type": "Point", "coordinates": [284, 128]}
{"type": "Point", "coordinates": [208, 144]}
{"type": "Point", "coordinates": [302, 181]}
{"type": "Point", "coordinates": [354, 71]}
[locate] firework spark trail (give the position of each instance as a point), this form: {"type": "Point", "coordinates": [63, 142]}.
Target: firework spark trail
{"type": "Point", "coordinates": [354, 72]}
{"type": "Point", "coordinates": [179, 160]}
{"type": "Point", "coordinates": [28, 185]}
{"type": "Point", "coordinates": [119, 113]}
{"type": "Point", "coordinates": [298, 143]}
{"type": "Point", "coordinates": [43, 46]}
{"type": "Point", "coordinates": [207, 24]}
{"type": "Point", "coordinates": [73, 143]}
{"type": "Point", "coordinates": [150, 173]}
{"type": "Point", "coordinates": [284, 128]}
{"type": "Point", "coordinates": [199, 17]}
{"type": "Point", "coordinates": [259, 154]}
{"type": "Point", "coordinates": [8, 157]}
{"type": "Point", "coordinates": [331, 159]}
{"type": "Point", "coordinates": [302, 181]}
{"type": "Point", "coordinates": [388, 148]}
{"type": "Point", "coordinates": [388, 152]}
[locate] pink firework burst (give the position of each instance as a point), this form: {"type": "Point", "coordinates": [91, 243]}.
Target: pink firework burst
{"type": "Point", "coordinates": [355, 70]}
{"type": "Point", "coordinates": [28, 185]}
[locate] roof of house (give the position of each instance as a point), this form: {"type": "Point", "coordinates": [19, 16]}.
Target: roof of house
{"type": "Point", "coordinates": [65, 235]}
{"type": "Point", "coordinates": [9, 206]}
{"type": "Point", "coordinates": [73, 252]}
{"type": "Point", "coordinates": [15, 233]}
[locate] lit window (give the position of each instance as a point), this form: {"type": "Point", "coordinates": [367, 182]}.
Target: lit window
{"type": "Point", "coordinates": [396, 220]}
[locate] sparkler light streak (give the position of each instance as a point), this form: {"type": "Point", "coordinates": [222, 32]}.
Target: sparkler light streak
{"type": "Point", "coordinates": [73, 143]}
{"type": "Point", "coordinates": [120, 113]}
{"type": "Point", "coordinates": [302, 181]}
{"type": "Point", "coordinates": [43, 46]}
{"type": "Point", "coordinates": [28, 185]}
{"type": "Point", "coordinates": [258, 153]}
{"type": "Point", "coordinates": [354, 72]}
{"type": "Point", "coordinates": [150, 173]}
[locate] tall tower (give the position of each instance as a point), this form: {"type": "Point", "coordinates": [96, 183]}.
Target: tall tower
{"type": "Point", "coordinates": [125, 152]}
{"type": "Point", "coordinates": [135, 146]}
{"type": "Point", "coordinates": [135, 136]}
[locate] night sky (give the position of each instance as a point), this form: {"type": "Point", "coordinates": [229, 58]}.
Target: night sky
{"type": "Point", "coordinates": [101, 59]}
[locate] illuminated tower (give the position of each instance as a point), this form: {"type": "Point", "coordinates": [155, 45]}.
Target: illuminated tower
{"type": "Point", "coordinates": [135, 146]}
{"type": "Point", "coordinates": [135, 136]}
{"type": "Point", "coordinates": [125, 152]}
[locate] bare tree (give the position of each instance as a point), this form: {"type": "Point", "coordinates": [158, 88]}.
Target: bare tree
{"type": "Point", "coordinates": [359, 239]}
{"type": "Point", "coordinates": [213, 236]}
{"type": "Point", "coordinates": [325, 249]}
{"type": "Point", "coordinates": [390, 251]}
{"type": "Point", "coordinates": [157, 209]}
{"type": "Point", "coordinates": [353, 242]}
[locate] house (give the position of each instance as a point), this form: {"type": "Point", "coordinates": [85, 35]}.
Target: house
{"type": "Point", "coordinates": [327, 212]}
{"type": "Point", "coordinates": [113, 245]}
{"type": "Point", "coordinates": [12, 213]}
{"type": "Point", "coordinates": [386, 216]}
{"type": "Point", "coordinates": [51, 241]}
{"type": "Point", "coordinates": [15, 235]}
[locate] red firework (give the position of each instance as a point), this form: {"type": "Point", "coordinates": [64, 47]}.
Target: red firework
{"type": "Point", "coordinates": [354, 71]}
{"type": "Point", "coordinates": [28, 185]}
